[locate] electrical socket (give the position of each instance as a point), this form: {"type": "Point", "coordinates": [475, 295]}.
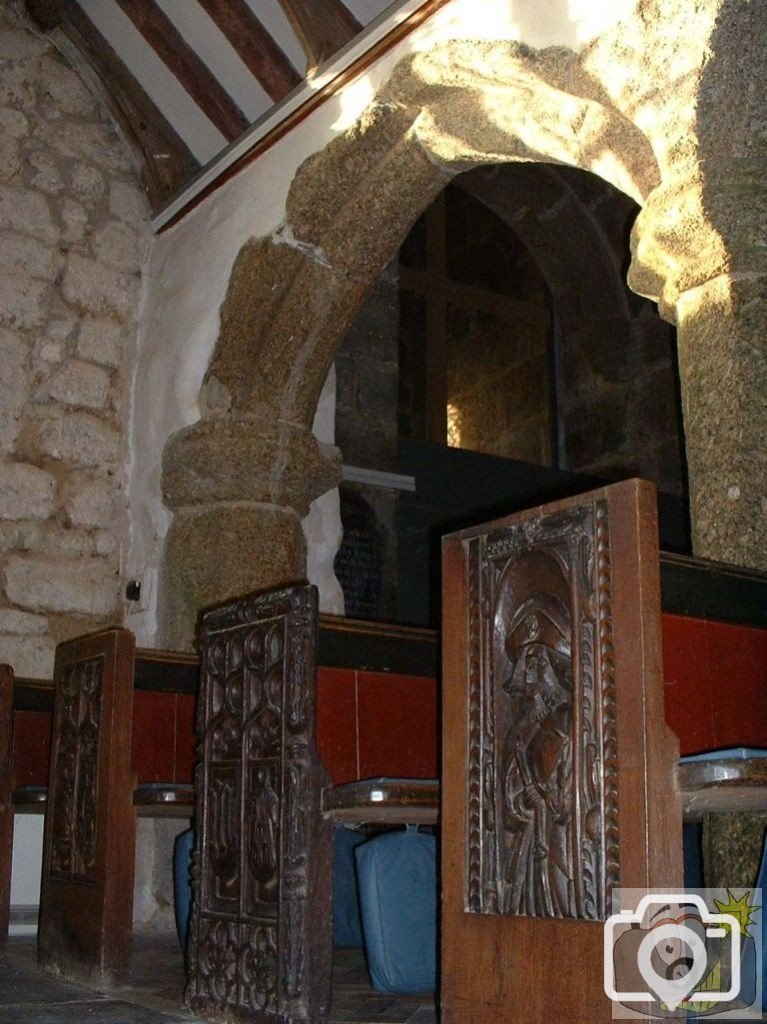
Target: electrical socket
{"type": "Point", "coordinates": [147, 588]}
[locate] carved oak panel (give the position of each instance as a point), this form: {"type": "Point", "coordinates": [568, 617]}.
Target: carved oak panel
{"type": "Point", "coordinates": [558, 769]}
{"type": "Point", "coordinates": [86, 894]}
{"type": "Point", "coordinates": [542, 799]}
{"type": "Point", "coordinates": [259, 943]}
{"type": "Point", "coordinates": [74, 806]}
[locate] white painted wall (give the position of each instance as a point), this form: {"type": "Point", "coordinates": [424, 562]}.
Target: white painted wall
{"type": "Point", "coordinates": [189, 268]}
{"type": "Point", "coordinates": [26, 867]}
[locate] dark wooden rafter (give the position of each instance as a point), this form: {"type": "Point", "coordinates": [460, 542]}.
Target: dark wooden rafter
{"type": "Point", "coordinates": [201, 84]}
{"type": "Point", "coordinates": [166, 162]}
{"type": "Point", "coordinates": [322, 26]}
{"type": "Point", "coordinates": [260, 53]}
{"type": "Point", "coordinates": [468, 296]}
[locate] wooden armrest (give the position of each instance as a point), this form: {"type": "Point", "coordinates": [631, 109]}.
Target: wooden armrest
{"type": "Point", "coordinates": [732, 784]}
{"type": "Point", "coordinates": [383, 801]}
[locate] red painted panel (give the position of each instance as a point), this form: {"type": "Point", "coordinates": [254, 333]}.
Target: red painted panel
{"type": "Point", "coordinates": [186, 739]}
{"type": "Point", "coordinates": [153, 735]}
{"type": "Point", "coordinates": [397, 725]}
{"type": "Point", "coordinates": [716, 683]}
{"type": "Point", "coordinates": [31, 747]}
{"type": "Point", "coordinates": [688, 683]}
{"type": "Point", "coordinates": [337, 722]}
{"type": "Point", "coordinates": [737, 657]}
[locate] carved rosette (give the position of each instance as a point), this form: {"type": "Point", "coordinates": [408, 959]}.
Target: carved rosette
{"type": "Point", "coordinates": [542, 790]}
{"type": "Point", "coordinates": [74, 802]}
{"type": "Point", "coordinates": [257, 808]}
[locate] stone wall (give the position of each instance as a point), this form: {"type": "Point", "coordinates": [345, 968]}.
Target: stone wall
{"type": "Point", "coordinates": [73, 233]}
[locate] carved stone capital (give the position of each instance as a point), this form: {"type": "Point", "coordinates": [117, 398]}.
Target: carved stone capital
{"type": "Point", "coordinates": [692, 229]}
{"type": "Point", "coordinates": [254, 459]}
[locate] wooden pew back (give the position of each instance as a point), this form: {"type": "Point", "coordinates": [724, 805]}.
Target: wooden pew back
{"type": "Point", "coordinates": [559, 772]}
{"type": "Point", "coordinates": [86, 899]}
{"type": "Point", "coordinates": [263, 859]}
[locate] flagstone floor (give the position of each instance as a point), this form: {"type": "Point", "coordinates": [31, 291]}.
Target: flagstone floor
{"type": "Point", "coordinates": [155, 997]}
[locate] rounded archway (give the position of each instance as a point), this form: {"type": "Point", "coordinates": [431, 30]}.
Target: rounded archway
{"type": "Point", "coordinates": [252, 457]}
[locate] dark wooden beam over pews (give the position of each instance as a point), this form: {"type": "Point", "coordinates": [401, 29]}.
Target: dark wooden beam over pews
{"type": "Point", "coordinates": [173, 50]}
{"type": "Point", "coordinates": [255, 46]}
{"type": "Point", "coordinates": [322, 26]}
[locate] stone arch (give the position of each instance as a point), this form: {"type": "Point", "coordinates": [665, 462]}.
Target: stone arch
{"type": "Point", "coordinates": [252, 458]}
{"type": "Point", "coordinates": [351, 205]}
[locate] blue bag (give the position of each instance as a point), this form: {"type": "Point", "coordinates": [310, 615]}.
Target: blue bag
{"type": "Point", "coordinates": [347, 927]}
{"type": "Point", "coordinates": [397, 876]}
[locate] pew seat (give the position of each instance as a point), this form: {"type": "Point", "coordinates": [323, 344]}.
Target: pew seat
{"type": "Point", "coordinates": [723, 785]}
{"type": "Point", "coordinates": [150, 799]}
{"type": "Point", "coordinates": [383, 801]}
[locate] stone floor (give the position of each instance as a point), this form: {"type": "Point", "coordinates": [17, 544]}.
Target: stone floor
{"type": "Point", "coordinates": [29, 996]}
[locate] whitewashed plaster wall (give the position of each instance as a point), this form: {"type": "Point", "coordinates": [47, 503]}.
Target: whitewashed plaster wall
{"type": "Point", "coordinates": [186, 279]}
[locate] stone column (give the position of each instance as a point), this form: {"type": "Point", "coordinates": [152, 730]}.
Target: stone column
{"type": "Point", "coordinates": [723, 371]}
{"type": "Point", "coordinates": [239, 489]}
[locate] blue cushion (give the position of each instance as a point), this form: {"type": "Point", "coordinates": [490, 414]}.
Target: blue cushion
{"type": "Point", "coordinates": [347, 927]}
{"type": "Point", "coordinates": [182, 882]}
{"type": "Point", "coordinates": [397, 875]}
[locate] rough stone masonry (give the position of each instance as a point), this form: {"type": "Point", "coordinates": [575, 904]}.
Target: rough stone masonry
{"type": "Point", "coordinates": [73, 232]}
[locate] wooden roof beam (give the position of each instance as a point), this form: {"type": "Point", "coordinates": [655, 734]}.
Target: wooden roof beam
{"type": "Point", "coordinates": [323, 27]}
{"type": "Point", "coordinates": [255, 47]}
{"type": "Point", "coordinates": [195, 76]}
{"type": "Point", "coordinates": [165, 161]}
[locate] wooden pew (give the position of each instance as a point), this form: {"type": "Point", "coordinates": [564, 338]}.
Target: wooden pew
{"type": "Point", "coordinates": [259, 946]}
{"type": "Point", "coordinates": [560, 775]}
{"type": "Point", "coordinates": [260, 936]}
{"type": "Point", "coordinates": [339, 643]}
{"type": "Point", "coordinates": [86, 900]}
{"type": "Point", "coordinates": [6, 791]}
{"type": "Point", "coordinates": [86, 897]}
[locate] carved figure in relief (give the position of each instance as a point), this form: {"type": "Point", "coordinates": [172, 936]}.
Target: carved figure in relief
{"type": "Point", "coordinates": [535, 771]}
{"type": "Point", "coordinates": [263, 825]}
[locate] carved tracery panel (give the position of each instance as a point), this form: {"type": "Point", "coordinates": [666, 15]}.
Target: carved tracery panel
{"type": "Point", "coordinates": [75, 800]}
{"type": "Point", "coordinates": [542, 794]}
{"type": "Point", "coordinates": [259, 939]}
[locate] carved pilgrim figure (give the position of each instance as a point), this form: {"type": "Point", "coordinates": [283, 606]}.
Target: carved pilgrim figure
{"type": "Point", "coordinates": [536, 756]}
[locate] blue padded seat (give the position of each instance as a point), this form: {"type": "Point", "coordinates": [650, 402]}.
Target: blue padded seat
{"type": "Point", "coordinates": [397, 877]}
{"type": "Point", "coordinates": [347, 927]}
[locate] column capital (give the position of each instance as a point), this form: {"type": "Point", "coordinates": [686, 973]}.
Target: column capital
{"type": "Point", "coordinates": [251, 459]}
